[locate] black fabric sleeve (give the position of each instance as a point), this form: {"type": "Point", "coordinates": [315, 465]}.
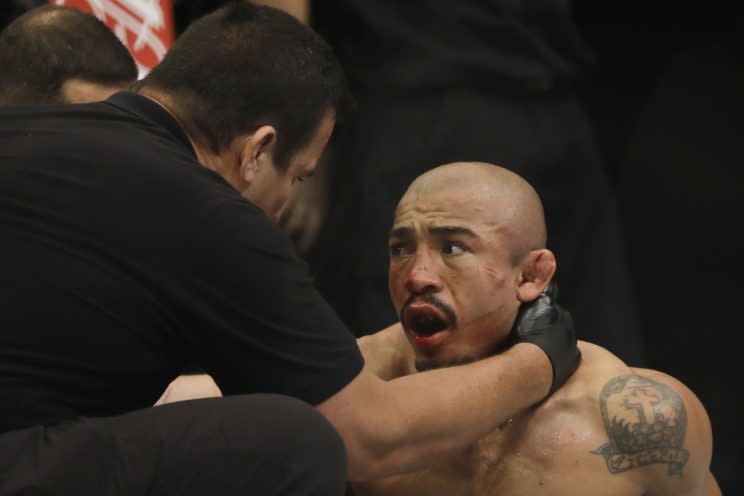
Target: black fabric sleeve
{"type": "Point", "coordinates": [254, 317]}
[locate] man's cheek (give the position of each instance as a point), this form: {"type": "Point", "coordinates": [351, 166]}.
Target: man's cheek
{"type": "Point", "coordinates": [493, 276]}
{"type": "Point", "coordinates": [397, 290]}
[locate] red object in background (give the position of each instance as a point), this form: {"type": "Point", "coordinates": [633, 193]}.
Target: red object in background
{"type": "Point", "coordinates": [144, 26]}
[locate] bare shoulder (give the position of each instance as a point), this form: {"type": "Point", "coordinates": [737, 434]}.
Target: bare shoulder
{"type": "Point", "coordinates": [657, 431]}
{"type": "Point", "coordinates": [650, 427]}
{"type": "Point", "coordinates": [680, 436]}
{"type": "Point", "coordinates": [581, 391]}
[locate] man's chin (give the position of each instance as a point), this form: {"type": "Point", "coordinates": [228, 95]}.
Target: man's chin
{"type": "Point", "coordinates": [424, 363]}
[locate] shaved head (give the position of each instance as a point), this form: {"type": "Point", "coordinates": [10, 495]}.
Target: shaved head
{"type": "Point", "coordinates": [495, 195]}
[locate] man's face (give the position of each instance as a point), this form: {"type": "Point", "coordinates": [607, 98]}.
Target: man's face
{"type": "Point", "coordinates": [452, 279]}
{"type": "Point", "coordinates": [271, 187]}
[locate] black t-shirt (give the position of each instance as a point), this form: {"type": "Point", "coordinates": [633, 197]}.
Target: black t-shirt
{"type": "Point", "coordinates": [123, 261]}
{"type": "Point", "coordinates": [514, 46]}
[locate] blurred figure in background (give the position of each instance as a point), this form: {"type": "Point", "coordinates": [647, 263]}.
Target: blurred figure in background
{"type": "Point", "coordinates": [441, 82]}
{"type": "Point", "coordinates": [666, 97]}
{"type": "Point", "coordinates": [61, 55]}
{"type": "Point", "coordinates": [680, 190]}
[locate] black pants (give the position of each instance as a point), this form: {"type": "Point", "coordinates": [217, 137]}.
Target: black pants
{"type": "Point", "coordinates": [247, 445]}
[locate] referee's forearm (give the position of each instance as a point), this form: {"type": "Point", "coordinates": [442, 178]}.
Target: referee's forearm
{"type": "Point", "coordinates": [411, 422]}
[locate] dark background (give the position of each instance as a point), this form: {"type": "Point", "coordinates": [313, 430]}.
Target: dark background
{"type": "Point", "coordinates": [666, 94]}
{"type": "Point", "coordinates": [667, 99]}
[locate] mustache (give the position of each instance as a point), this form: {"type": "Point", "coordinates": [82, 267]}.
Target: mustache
{"type": "Point", "coordinates": [433, 301]}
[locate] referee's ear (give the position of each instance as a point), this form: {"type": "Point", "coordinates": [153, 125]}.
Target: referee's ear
{"type": "Point", "coordinates": [256, 149]}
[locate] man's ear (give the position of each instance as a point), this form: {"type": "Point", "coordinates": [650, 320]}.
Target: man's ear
{"type": "Point", "coordinates": [538, 268]}
{"type": "Point", "coordinates": [253, 149]}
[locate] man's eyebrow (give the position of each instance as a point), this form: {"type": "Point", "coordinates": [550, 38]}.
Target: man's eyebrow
{"type": "Point", "coordinates": [450, 230]}
{"type": "Point", "coordinates": [407, 232]}
{"type": "Point", "coordinates": [401, 232]}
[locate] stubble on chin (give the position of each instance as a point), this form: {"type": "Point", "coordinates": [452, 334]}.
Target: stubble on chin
{"type": "Point", "coordinates": [433, 364]}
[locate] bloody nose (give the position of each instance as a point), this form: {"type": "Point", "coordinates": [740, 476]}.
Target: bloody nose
{"type": "Point", "coordinates": [423, 280]}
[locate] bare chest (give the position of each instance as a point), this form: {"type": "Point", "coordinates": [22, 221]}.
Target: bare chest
{"type": "Point", "coordinates": [544, 460]}
{"type": "Point", "coordinates": [520, 458]}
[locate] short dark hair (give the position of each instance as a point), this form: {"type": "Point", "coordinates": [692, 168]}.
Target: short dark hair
{"type": "Point", "coordinates": [48, 45]}
{"type": "Point", "coordinates": [244, 66]}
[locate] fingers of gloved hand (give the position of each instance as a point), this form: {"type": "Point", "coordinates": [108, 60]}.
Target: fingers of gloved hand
{"type": "Point", "coordinates": [551, 290]}
{"type": "Point", "coordinates": [546, 324]}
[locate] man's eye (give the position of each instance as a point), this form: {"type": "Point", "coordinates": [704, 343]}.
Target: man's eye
{"type": "Point", "coordinates": [451, 248]}
{"type": "Point", "coordinates": [297, 179]}
{"type": "Point", "coordinates": [399, 249]}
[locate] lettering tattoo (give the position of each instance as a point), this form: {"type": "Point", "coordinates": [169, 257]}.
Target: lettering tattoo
{"type": "Point", "coordinates": [646, 422]}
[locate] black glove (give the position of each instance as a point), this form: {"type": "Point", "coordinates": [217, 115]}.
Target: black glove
{"type": "Point", "coordinates": [546, 324]}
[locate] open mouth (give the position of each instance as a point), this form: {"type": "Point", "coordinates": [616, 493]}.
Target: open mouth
{"type": "Point", "coordinates": [427, 324]}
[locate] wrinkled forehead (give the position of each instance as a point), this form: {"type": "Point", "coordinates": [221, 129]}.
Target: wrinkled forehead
{"type": "Point", "coordinates": [473, 207]}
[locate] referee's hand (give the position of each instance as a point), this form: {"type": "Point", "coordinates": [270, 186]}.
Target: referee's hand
{"type": "Point", "coordinates": [189, 387]}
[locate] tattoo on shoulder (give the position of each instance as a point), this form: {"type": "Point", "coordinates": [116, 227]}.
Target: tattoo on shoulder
{"type": "Point", "coordinates": [646, 422]}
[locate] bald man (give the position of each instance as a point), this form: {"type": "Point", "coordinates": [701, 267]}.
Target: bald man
{"type": "Point", "coordinates": [467, 248]}
{"type": "Point", "coordinates": [57, 54]}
